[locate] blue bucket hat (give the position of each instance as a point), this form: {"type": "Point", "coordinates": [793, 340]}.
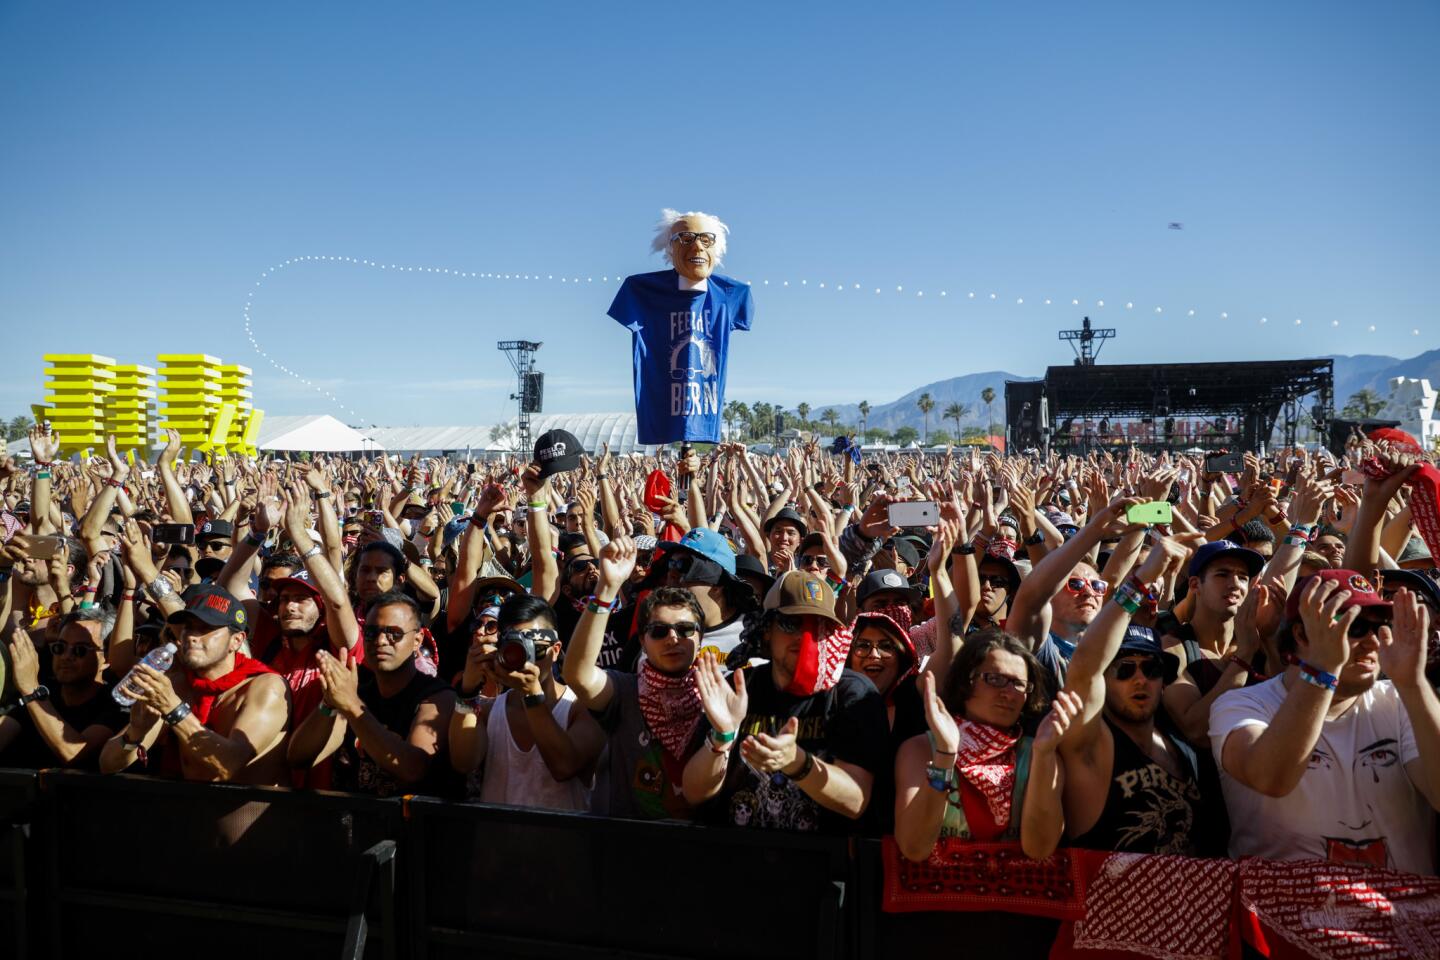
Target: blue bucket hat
{"type": "Point", "coordinates": [710, 545]}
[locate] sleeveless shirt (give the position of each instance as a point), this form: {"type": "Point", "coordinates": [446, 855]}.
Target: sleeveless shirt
{"type": "Point", "coordinates": [520, 778]}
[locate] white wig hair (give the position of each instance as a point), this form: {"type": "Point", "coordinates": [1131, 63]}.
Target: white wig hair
{"type": "Point", "coordinates": [666, 226]}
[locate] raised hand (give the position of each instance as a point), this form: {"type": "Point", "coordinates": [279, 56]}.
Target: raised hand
{"type": "Point", "coordinates": [172, 447]}
{"type": "Point", "coordinates": [1403, 646]}
{"type": "Point", "coordinates": [1326, 626]}
{"type": "Point", "coordinates": [617, 562]}
{"type": "Point", "coordinates": [943, 729]}
{"type": "Point", "coordinates": [43, 446]}
{"type": "Point", "coordinates": [1063, 711]}
{"type": "Point", "coordinates": [724, 704]}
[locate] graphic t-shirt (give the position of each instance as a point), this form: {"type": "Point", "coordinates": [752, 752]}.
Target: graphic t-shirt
{"type": "Point", "coordinates": [681, 341]}
{"type": "Point", "coordinates": [639, 779]}
{"type": "Point", "coordinates": [846, 722]}
{"type": "Point", "coordinates": [1355, 803]}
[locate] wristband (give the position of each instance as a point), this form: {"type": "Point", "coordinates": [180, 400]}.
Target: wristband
{"type": "Point", "coordinates": [1242, 664]}
{"type": "Point", "coordinates": [127, 596]}
{"type": "Point", "coordinates": [538, 504]}
{"type": "Point", "coordinates": [1035, 539]}
{"type": "Point", "coordinates": [254, 539]}
{"type": "Point", "coordinates": [939, 779]}
{"type": "Point", "coordinates": [318, 496]}
{"type": "Point", "coordinates": [963, 550]}
{"type": "Point", "coordinates": [804, 771]}
{"type": "Point", "coordinates": [325, 709]}
{"type": "Point", "coordinates": [1128, 598]}
{"type": "Point", "coordinates": [178, 714]}
{"type": "Point", "coordinates": [315, 550]}
{"type": "Point", "coordinates": [87, 589]}
{"type": "Point", "coordinates": [1293, 541]}
{"type": "Point", "coordinates": [112, 482]}
{"type": "Point", "coordinates": [602, 476]}
{"type": "Point", "coordinates": [595, 605]}
{"type": "Point", "coordinates": [1316, 677]}
{"type": "Point", "coordinates": [42, 475]}
{"type": "Point", "coordinates": [160, 588]}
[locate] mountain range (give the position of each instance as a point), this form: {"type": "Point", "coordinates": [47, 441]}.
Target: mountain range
{"type": "Point", "coordinates": [1352, 373]}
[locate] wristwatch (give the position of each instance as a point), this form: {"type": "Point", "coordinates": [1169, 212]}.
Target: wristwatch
{"type": "Point", "coordinates": [534, 699]}
{"type": "Point", "coordinates": [41, 692]}
{"type": "Point", "coordinates": [314, 549]}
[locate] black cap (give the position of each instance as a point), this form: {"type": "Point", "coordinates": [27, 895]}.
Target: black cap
{"type": "Point", "coordinates": [1143, 640]}
{"type": "Point", "coordinates": [557, 451]}
{"type": "Point", "coordinates": [787, 515]}
{"type": "Point", "coordinates": [887, 581]}
{"type": "Point", "coordinates": [749, 566]}
{"type": "Point", "coordinates": [211, 605]}
{"type": "Point", "coordinates": [1414, 581]}
{"type": "Point", "coordinates": [215, 530]}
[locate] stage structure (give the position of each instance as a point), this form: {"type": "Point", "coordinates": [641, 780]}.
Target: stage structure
{"type": "Point", "coordinates": [530, 385]}
{"type": "Point", "coordinates": [1167, 406]}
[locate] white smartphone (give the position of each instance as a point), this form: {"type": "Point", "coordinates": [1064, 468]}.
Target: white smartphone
{"type": "Point", "coordinates": [914, 513]}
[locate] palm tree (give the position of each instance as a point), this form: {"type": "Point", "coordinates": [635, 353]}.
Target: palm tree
{"type": "Point", "coordinates": [18, 427]}
{"type": "Point", "coordinates": [1364, 404]}
{"type": "Point", "coordinates": [831, 418]}
{"type": "Point", "coordinates": [956, 411]}
{"type": "Point", "coordinates": [864, 409]}
{"type": "Point", "coordinates": [503, 434]}
{"type": "Point", "coordinates": [736, 411]}
{"type": "Point", "coordinates": [987, 396]}
{"type": "Point", "coordinates": [803, 410]}
{"type": "Point", "coordinates": [926, 403]}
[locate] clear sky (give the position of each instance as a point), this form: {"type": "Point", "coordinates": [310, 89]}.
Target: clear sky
{"type": "Point", "coordinates": [157, 158]}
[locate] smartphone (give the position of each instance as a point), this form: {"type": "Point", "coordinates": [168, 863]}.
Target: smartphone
{"type": "Point", "coordinates": [1156, 511]}
{"type": "Point", "coordinates": [43, 548]}
{"type": "Point", "coordinates": [377, 517]}
{"type": "Point", "coordinates": [1225, 463]}
{"type": "Point", "coordinates": [173, 533]}
{"type": "Point", "coordinates": [914, 513]}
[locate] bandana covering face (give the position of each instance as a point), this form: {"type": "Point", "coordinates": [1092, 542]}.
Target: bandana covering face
{"type": "Point", "coordinates": [986, 759]}
{"type": "Point", "coordinates": [900, 612]}
{"type": "Point", "coordinates": [208, 691]}
{"type": "Point", "coordinates": [671, 707]}
{"type": "Point", "coordinates": [822, 657]}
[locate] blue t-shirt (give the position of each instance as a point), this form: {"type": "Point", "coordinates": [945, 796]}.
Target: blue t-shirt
{"type": "Point", "coordinates": [681, 341]}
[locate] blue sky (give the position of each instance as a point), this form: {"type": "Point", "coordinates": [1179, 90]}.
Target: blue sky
{"type": "Point", "coordinates": [157, 159]}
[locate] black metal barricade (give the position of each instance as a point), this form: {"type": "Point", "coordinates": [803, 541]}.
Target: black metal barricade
{"type": "Point", "coordinates": [18, 808]}
{"type": "Point", "coordinates": [160, 868]}
{"type": "Point", "coordinates": [504, 882]}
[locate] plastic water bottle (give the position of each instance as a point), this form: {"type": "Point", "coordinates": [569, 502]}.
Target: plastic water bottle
{"type": "Point", "coordinates": [158, 659]}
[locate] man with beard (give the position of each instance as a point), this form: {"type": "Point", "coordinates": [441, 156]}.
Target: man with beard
{"type": "Point", "coordinates": [811, 733]}
{"type": "Point", "coordinates": [388, 726]}
{"type": "Point", "coordinates": [1211, 662]}
{"type": "Point", "coordinates": [1327, 760]}
{"type": "Point", "coordinates": [218, 715]}
{"type": "Point", "coordinates": [1124, 784]}
{"type": "Point", "coordinates": [652, 717]}
{"type": "Point", "coordinates": [70, 724]}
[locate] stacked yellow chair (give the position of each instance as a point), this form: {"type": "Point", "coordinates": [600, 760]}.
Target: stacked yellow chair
{"type": "Point", "coordinates": [130, 408]}
{"type": "Point", "coordinates": [190, 396]}
{"type": "Point", "coordinates": [235, 385]}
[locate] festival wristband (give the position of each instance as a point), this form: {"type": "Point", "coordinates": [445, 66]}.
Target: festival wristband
{"type": "Point", "coordinates": [1128, 598]}
{"type": "Point", "coordinates": [42, 475]}
{"type": "Point", "coordinates": [325, 709]}
{"type": "Point", "coordinates": [1316, 677]}
{"type": "Point", "coordinates": [595, 605]}
{"type": "Point", "coordinates": [939, 779]}
{"type": "Point", "coordinates": [538, 504]}
{"type": "Point", "coordinates": [721, 742]}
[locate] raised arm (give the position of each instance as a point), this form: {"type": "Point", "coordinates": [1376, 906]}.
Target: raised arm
{"type": "Point", "coordinates": [593, 686]}
{"type": "Point", "coordinates": [340, 620]}
{"type": "Point", "coordinates": [1402, 657]}
{"type": "Point", "coordinates": [179, 504]}
{"type": "Point", "coordinates": [545, 572]}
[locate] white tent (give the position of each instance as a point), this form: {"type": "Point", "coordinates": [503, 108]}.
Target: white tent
{"type": "Point", "coordinates": [320, 433]}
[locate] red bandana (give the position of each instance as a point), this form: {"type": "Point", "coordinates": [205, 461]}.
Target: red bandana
{"type": "Point", "coordinates": [208, 691]}
{"type": "Point", "coordinates": [986, 759]}
{"type": "Point", "coordinates": [1424, 485]}
{"type": "Point", "coordinates": [671, 707]}
{"type": "Point", "coordinates": [821, 659]}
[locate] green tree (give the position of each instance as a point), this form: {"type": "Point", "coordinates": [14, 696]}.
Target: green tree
{"type": "Point", "coordinates": [18, 428]}
{"type": "Point", "coordinates": [956, 412]}
{"type": "Point", "coordinates": [974, 433]}
{"type": "Point", "coordinates": [940, 437]}
{"type": "Point", "coordinates": [803, 411]}
{"type": "Point", "coordinates": [876, 435]}
{"type": "Point", "coordinates": [926, 403]}
{"type": "Point", "coordinates": [830, 418]}
{"type": "Point", "coordinates": [987, 396]}
{"type": "Point", "coordinates": [736, 412]}
{"type": "Point", "coordinates": [905, 436]}
{"type": "Point", "coordinates": [1364, 404]}
{"type": "Point", "coordinates": [864, 409]}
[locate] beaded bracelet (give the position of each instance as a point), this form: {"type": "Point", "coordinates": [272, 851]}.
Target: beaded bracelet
{"type": "Point", "coordinates": [1314, 676]}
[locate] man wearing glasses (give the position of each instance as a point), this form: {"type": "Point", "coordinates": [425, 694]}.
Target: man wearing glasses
{"type": "Point", "coordinates": [387, 726]}
{"type": "Point", "coordinates": [1122, 782]}
{"type": "Point", "coordinates": [681, 320]}
{"type": "Point", "coordinates": [1327, 760]}
{"type": "Point", "coordinates": [69, 725]}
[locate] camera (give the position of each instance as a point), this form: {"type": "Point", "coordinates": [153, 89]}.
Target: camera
{"type": "Point", "coordinates": [518, 647]}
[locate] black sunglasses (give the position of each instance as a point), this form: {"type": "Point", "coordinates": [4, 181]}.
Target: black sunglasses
{"type": "Point", "coordinates": [1363, 627]}
{"type": "Point", "coordinates": [684, 629]}
{"type": "Point", "coordinates": [1151, 667]}
{"type": "Point", "coordinates": [77, 650]}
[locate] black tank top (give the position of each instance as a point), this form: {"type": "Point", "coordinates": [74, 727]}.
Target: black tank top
{"type": "Point", "coordinates": [1147, 809]}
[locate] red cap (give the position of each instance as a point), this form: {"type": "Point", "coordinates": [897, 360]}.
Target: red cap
{"type": "Point", "coordinates": [1362, 591]}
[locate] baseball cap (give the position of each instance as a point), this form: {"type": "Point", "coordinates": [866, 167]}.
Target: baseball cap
{"type": "Point", "coordinates": [1139, 639]}
{"type": "Point", "coordinates": [1362, 591]}
{"type": "Point", "coordinates": [215, 530]}
{"type": "Point", "coordinates": [302, 578]}
{"type": "Point", "coordinates": [211, 605]}
{"type": "Point", "coordinates": [887, 581]}
{"type": "Point", "coordinates": [1415, 582]}
{"type": "Point", "coordinates": [799, 594]}
{"type": "Point", "coordinates": [1224, 548]}
{"type": "Point", "coordinates": [710, 545]}
{"type": "Point", "coordinates": [557, 451]}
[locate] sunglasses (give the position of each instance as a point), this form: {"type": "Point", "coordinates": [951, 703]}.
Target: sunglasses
{"type": "Point", "coordinates": [789, 623]}
{"type": "Point", "coordinates": [1079, 584]}
{"type": "Point", "coordinates": [59, 648]}
{"type": "Point", "coordinates": [867, 649]}
{"type": "Point", "coordinates": [213, 546]}
{"type": "Point", "coordinates": [392, 635]}
{"type": "Point", "coordinates": [684, 629]}
{"type": "Point", "coordinates": [1363, 627]}
{"type": "Point", "coordinates": [817, 560]}
{"type": "Point", "coordinates": [1151, 667]}
{"type": "Point", "coordinates": [581, 566]}
{"type": "Point", "coordinates": [643, 557]}
{"type": "Point", "coordinates": [1000, 682]}
{"type": "Point", "coordinates": [992, 580]}
{"type": "Point", "coordinates": [487, 628]}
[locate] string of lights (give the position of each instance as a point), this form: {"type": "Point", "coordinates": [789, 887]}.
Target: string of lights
{"type": "Point", "coordinates": [801, 285]}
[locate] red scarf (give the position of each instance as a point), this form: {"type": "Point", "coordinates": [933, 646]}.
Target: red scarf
{"type": "Point", "coordinates": [986, 759]}
{"type": "Point", "coordinates": [1424, 485]}
{"type": "Point", "coordinates": [821, 660]}
{"type": "Point", "coordinates": [208, 691]}
{"type": "Point", "coordinates": [671, 707]}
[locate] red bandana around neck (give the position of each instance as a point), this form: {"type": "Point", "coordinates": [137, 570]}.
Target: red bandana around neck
{"type": "Point", "coordinates": [208, 691]}
{"type": "Point", "coordinates": [986, 760]}
{"type": "Point", "coordinates": [671, 707]}
{"type": "Point", "coordinates": [821, 659]}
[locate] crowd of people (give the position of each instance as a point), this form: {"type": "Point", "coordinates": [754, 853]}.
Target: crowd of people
{"type": "Point", "coordinates": [747, 640]}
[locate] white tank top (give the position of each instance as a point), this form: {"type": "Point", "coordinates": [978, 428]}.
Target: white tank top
{"type": "Point", "coordinates": [520, 778]}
